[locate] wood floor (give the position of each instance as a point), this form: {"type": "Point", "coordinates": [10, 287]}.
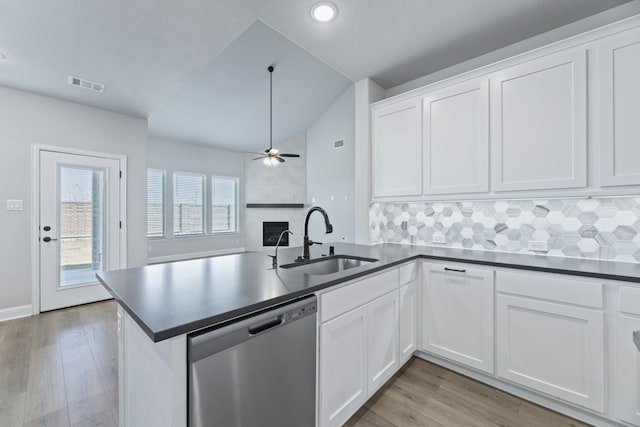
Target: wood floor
{"type": "Point", "coordinates": [60, 369]}
{"type": "Point", "coordinates": [424, 394]}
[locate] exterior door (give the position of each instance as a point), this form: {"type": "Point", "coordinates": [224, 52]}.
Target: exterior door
{"type": "Point", "coordinates": [79, 227]}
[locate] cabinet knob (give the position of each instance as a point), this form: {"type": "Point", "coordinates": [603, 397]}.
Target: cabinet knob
{"type": "Point", "coordinates": [636, 339]}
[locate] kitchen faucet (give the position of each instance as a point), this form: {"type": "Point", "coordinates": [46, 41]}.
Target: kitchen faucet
{"type": "Point", "coordinates": [274, 258]}
{"type": "Point", "coordinates": [307, 242]}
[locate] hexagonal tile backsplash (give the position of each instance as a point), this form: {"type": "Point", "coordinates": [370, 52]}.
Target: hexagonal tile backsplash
{"type": "Point", "coordinates": [602, 228]}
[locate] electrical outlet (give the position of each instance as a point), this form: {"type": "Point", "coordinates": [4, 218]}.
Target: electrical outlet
{"type": "Point", "coordinates": [439, 238]}
{"type": "Point", "coordinates": [538, 245]}
{"type": "Point", "coordinates": [14, 205]}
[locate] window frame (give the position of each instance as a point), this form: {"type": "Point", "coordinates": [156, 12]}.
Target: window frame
{"type": "Point", "coordinates": [236, 205]}
{"type": "Point", "coordinates": [203, 177]}
{"type": "Point", "coordinates": [164, 204]}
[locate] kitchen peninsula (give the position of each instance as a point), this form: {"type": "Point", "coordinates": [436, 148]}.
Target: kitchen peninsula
{"type": "Point", "coordinates": [159, 305]}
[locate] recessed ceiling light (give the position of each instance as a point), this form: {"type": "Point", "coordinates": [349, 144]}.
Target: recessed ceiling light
{"type": "Point", "coordinates": [324, 12]}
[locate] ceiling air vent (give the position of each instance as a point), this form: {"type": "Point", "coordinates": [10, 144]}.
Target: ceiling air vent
{"type": "Point", "coordinates": [85, 84]}
{"type": "Point", "coordinates": [338, 144]}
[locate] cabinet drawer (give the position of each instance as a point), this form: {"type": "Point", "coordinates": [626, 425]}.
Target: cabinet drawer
{"type": "Point", "coordinates": [630, 300]}
{"type": "Point", "coordinates": [408, 273]}
{"type": "Point", "coordinates": [334, 303]}
{"type": "Point", "coordinates": [551, 288]}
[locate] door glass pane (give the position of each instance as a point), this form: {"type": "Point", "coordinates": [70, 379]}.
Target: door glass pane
{"type": "Point", "coordinates": [81, 225]}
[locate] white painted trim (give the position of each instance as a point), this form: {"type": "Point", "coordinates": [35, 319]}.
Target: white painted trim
{"type": "Point", "coordinates": [15, 312]}
{"type": "Point", "coordinates": [35, 209]}
{"type": "Point", "coordinates": [554, 404]}
{"type": "Point", "coordinates": [193, 255]}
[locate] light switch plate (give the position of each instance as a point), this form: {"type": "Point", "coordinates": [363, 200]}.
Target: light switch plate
{"type": "Point", "coordinates": [14, 205]}
{"type": "Point", "coordinates": [439, 238]}
{"type": "Point", "coordinates": [538, 246]}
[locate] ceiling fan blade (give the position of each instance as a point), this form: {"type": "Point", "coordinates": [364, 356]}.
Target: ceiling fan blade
{"type": "Point", "coordinates": [278, 158]}
{"type": "Point", "coordinates": [258, 158]}
{"type": "Point", "coordinates": [289, 155]}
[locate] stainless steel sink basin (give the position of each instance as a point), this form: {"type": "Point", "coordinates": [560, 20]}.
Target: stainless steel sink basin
{"type": "Point", "coordinates": [329, 265]}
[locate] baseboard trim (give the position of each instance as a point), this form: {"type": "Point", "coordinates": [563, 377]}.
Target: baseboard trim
{"type": "Point", "coordinates": [15, 312]}
{"type": "Point", "coordinates": [583, 415]}
{"type": "Point", "coordinates": [193, 255]}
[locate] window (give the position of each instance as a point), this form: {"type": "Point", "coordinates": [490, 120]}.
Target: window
{"type": "Point", "coordinates": [188, 206]}
{"type": "Point", "coordinates": [155, 203]}
{"type": "Point", "coordinates": [224, 204]}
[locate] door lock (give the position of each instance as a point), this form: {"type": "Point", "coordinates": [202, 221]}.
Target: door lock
{"type": "Point", "coordinates": [48, 239]}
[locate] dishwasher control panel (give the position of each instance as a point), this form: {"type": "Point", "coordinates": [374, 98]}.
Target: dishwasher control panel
{"type": "Point", "coordinates": [308, 309]}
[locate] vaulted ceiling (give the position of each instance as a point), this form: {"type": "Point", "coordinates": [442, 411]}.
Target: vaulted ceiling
{"type": "Point", "coordinates": [198, 68]}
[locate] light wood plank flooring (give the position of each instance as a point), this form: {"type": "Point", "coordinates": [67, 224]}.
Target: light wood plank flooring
{"type": "Point", "coordinates": [60, 369]}
{"type": "Point", "coordinates": [424, 394]}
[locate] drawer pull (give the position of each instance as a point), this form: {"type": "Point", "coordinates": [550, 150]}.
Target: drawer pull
{"type": "Point", "coordinates": [455, 269]}
{"type": "Point", "coordinates": [636, 339]}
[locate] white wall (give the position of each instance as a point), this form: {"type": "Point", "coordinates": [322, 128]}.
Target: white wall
{"type": "Point", "coordinates": [27, 119]}
{"type": "Point", "coordinates": [366, 92]}
{"type": "Point", "coordinates": [284, 183]}
{"type": "Point", "coordinates": [331, 172]}
{"type": "Point", "coordinates": [172, 156]}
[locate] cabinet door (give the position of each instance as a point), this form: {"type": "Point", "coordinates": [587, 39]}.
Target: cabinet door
{"type": "Point", "coordinates": [539, 124]}
{"type": "Point", "coordinates": [407, 321]}
{"type": "Point", "coordinates": [382, 347]}
{"type": "Point", "coordinates": [343, 367]}
{"type": "Point", "coordinates": [619, 109]}
{"type": "Point", "coordinates": [456, 139]}
{"type": "Point", "coordinates": [552, 348]}
{"type": "Point", "coordinates": [457, 313]}
{"type": "Point", "coordinates": [628, 375]}
{"type": "Point", "coordinates": [397, 149]}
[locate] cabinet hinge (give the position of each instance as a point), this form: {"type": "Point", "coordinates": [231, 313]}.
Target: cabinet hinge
{"type": "Point", "coordinates": [120, 224]}
{"type": "Point", "coordinates": [121, 174]}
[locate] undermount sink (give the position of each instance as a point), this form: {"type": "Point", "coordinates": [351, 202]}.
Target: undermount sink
{"type": "Point", "coordinates": [329, 265]}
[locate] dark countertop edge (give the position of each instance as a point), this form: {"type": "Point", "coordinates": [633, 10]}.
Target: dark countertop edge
{"type": "Point", "coordinates": [223, 317]}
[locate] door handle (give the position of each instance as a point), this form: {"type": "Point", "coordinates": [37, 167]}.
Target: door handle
{"type": "Point", "coordinates": [636, 339]}
{"type": "Point", "coordinates": [48, 239]}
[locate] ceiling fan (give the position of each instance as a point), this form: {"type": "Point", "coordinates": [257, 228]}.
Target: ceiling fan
{"type": "Point", "coordinates": [272, 156]}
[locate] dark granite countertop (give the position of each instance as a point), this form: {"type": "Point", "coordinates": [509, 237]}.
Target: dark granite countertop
{"type": "Point", "coordinates": [175, 298]}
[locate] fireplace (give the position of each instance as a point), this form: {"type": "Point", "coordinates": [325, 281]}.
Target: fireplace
{"type": "Point", "coordinates": [271, 231]}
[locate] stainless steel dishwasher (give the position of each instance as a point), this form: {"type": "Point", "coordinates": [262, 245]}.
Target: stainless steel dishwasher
{"type": "Point", "coordinates": [257, 371]}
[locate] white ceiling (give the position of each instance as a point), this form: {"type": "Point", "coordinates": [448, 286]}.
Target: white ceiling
{"type": "Point", "coordinates": [227, 103]}
{"type": "Point", "coordinates": [168, 57]}
{"type": "Point", "coordinates": [396, 41]}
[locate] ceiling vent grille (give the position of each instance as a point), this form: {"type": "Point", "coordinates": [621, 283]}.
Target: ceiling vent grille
{"type": "Point", "coordinates": [85, 84]}
{"type": "Point", "coordinates": [338, 144]}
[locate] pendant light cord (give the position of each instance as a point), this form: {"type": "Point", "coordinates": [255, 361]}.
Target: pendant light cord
{"type": "Point", "coordinates": [270, 107]}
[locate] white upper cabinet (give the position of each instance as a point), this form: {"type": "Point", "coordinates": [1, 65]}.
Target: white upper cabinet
{"type": "Point", "coordinates": [619, 109]}
{"type": "Point", "coordinates": [456, 139]}
{"type": "Point", "coordinates": [397, 149]}
{"type": "Point", "coordinates": [539, 123]}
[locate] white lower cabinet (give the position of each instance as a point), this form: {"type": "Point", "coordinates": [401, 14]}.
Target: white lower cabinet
{"type": "Point", "coordinates": [382, 349]}
{"type": "Point", "coordinates": [628, 356]}
{"type": "Point", "coordinates": [408, 318]}
{"type": "Point", "coordinates": [358, 344]}
{"type": "Point", "coordinates": [343, 366]}
{"type": "Point", "coordinates": [551, 347]}
{"type": "Point", "coordinates": [457, 314]}
{"type": "Point", "coordinates": [628, 375]}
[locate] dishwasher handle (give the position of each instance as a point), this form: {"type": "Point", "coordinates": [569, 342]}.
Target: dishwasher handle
{"type": "Point", "coordinates": [266, 325]}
